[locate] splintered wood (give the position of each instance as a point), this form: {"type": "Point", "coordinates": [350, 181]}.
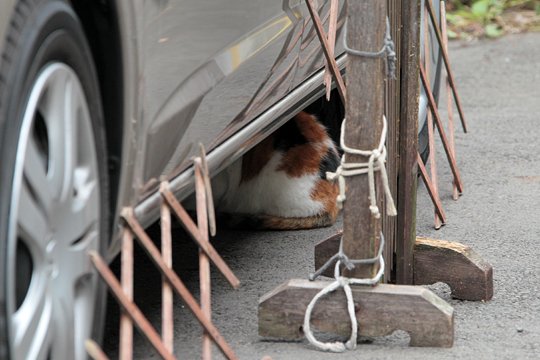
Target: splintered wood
{"type": "Point", "coordinates": [123, 291]}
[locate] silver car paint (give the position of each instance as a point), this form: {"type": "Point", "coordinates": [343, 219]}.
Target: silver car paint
{"type": "Point", "coordinates": [201, 71]}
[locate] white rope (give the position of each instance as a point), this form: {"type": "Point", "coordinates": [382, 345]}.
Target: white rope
{"type": "Point", "coordinates": [344, 282]}
{"type": "Point", "coordinates": [376, 162]}
{"type": "Point", "coordinates": [377, 156]}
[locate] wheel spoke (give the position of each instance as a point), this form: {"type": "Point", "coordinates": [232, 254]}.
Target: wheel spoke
{"type": "Point", "coordinates": [63, 344]}
{"type": "Point", "coordinates": [33, 326]}
{"type": "Point", "coordinates": [80, 212]}
{"type": "Point", "coordinates": [33, 227]}
{"type": "Point", "coordinates": [36, 177]}
{"type": "Point", "coordinates": [77, 259]}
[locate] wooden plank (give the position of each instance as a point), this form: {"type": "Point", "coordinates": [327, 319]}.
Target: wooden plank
{"type": "Point", "coordinates": [446, 63]}
{"type": "Point", "coordinates": [408, 135]}
{"type": "Point", "coordinates": [449, 107]}
{"type": "Point", "coordinates": [380, 310]}
{"type": "Point", "coordinates": [431, 134]}
{"type": "Point", "coordinates": [392, 111]}
{"type": "Point", "coordinates": [324, 250]}
{"type": "Point", "coordinates": [126, 325]}
{"type": "Point", "coordinates": [130, 309]}
{"type": "Point", "coordinates": [364, 109]}
{"type": "Point", "coordinates": [468, 275]}
{"type": "Point", "coordinates": [326, 47]}
{"type": "Point", "coordinates": [176, 283]}
{"type": "Point", "coordinates": [94, 350]}
{"type": "Point", "coordinates": [167, 314]}
{"type": "Point", "coordinates": [188, 224]}
{"type": "Point", "coordinates": [434, 196]}
{"type": "Point", "coordinates": [442, 132]}
{"type": "Point", "coordinates": [204, 263]}
{"type": "Point", "coordinates": [332, 27]}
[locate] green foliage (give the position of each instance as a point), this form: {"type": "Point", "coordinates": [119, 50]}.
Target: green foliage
{"type": "Point", "coordinates": [486, 17]}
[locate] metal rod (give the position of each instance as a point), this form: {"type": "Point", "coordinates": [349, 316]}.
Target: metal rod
{"type": "Point", "coordinates": [167, 314]}
{"type": "Point", "coordinates": [446, 63]}
{"type": "Point", "coordinates": [126, 325]}
{"type": "Point", "coordinates": [192, 229]}
{"type": "Point", "coordinates": [329, 57]}
{"type": "Point", "coordinates": [332, 29]}
{"type": "Point", "coordinates": [204, 263]}
{"type": "Point", "coordinates": [434, 197]}
{"type": "Point", "coordinates": [129, 307]}
{"type": "Point", "coordinates": [176, 283]}
{"type": "Point", "coordinates": [438, 122]}
{"type": "Point", "coordinates": [450, 110]}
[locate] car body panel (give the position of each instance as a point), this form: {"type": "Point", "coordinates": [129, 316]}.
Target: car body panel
{"type": "Point", "coordinates": [203, 65]}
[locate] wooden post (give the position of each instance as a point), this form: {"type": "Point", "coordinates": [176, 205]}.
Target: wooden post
{"type": "Point", "coordinates": [364, 126]}
{"type": "Point", "coordinates": [408, 128]}
{"type": "Point", "coordinates": [384, 308]}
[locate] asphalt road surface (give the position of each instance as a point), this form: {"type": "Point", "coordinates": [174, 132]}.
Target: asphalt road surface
{"type": "Point", "coordinates": [498, 216]}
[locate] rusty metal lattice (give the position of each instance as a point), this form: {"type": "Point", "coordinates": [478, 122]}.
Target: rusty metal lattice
{"type": "Point", "coordinates": [123, 289]}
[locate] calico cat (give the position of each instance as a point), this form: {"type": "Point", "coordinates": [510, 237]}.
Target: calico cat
{"type": "Point", "coordinates": [281, 183]}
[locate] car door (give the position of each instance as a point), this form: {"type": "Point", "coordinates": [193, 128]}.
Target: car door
{"type": "Point", "coordinates": [208, 68]}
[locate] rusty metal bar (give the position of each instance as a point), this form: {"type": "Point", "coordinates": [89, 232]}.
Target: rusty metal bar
{"type": "Point", "coordinates": [167, 314]}
{"type": "Point", "coordinates": [326, 49]}
{"type": "Point", "coordinates": [94, 351]}
{"type": "Point", "coordinates": [332, 29]}
{"type": "Point", "coordinates": [446, 64]}
{"type": "Point", "coordinates": [450, 111]}
{"type": "Point", "coordinates": [176, 283]}
{"type": "Point", "coordinates": [204, 263]}
{"type": "Point", "coordinates": [126, 325]}
{"type": "Point", "coordinates": [128, 306]}
{"type": "Point", "coordinates": [192, 229]}
{"type": "Point", "coordinates": [429, 186]}
{"type": "Point", "coordinates": [438, 122]}
{"type": "Point", "coordinates": [431, 135]}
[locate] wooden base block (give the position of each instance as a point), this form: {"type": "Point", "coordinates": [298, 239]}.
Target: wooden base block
{"type": "Point", "coordinates": [324, 250]}
{"type": "Point", "coordinates": [381, 310]}
{"type": "Point", "coordinates": [467, 274]}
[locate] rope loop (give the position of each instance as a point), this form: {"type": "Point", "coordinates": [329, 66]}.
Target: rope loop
{"type": "Point", "coordinates": [345, 283]}
{"type": "Point", "coordinates": [376, 162]}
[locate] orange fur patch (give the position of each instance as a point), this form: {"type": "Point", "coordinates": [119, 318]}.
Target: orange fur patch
{"type": "Point", "coordinates": [326, 192]}
{"type": "Point", "coordinates": [306, 158]}
{"type": "Point", "coordinates": [310, 127]}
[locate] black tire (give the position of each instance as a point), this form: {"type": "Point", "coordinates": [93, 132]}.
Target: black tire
{"type": "Point", "coordinates": [41, 32]}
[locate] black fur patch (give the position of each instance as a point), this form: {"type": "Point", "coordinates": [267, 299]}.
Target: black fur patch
{"type": "Point", "coordinates": [330, 162]}
{"type": "Point", "coordinates": [288, 136]}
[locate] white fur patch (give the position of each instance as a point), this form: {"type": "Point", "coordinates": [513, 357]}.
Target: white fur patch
{"type": "Point", "coordinates": [271, 192]}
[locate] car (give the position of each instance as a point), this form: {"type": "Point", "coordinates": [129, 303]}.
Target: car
{"type": "Point", "coordinates": [99, 102]}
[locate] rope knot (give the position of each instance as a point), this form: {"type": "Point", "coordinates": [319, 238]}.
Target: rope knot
{"type": "Point", "coordinates": [375, 211]}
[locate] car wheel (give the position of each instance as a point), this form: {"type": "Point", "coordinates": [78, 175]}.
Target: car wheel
{"type": "Point", "coordinates": [434, 75]}
{"type": "Point", "coordinates": [53, 186]}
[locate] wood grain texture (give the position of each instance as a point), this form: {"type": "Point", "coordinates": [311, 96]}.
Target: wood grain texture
{"type": "Point", "coordinates": [469, 276]}
{"type": "Point", "coordinates": [324, 250]}
{"type": "Point", "coordinates": [381, 310]}
{"type": "Point", "coordinates": [364, 109]}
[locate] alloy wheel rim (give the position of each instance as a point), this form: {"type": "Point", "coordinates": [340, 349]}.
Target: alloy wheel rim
{"type": "Point", "coordinates": [54, 222]}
